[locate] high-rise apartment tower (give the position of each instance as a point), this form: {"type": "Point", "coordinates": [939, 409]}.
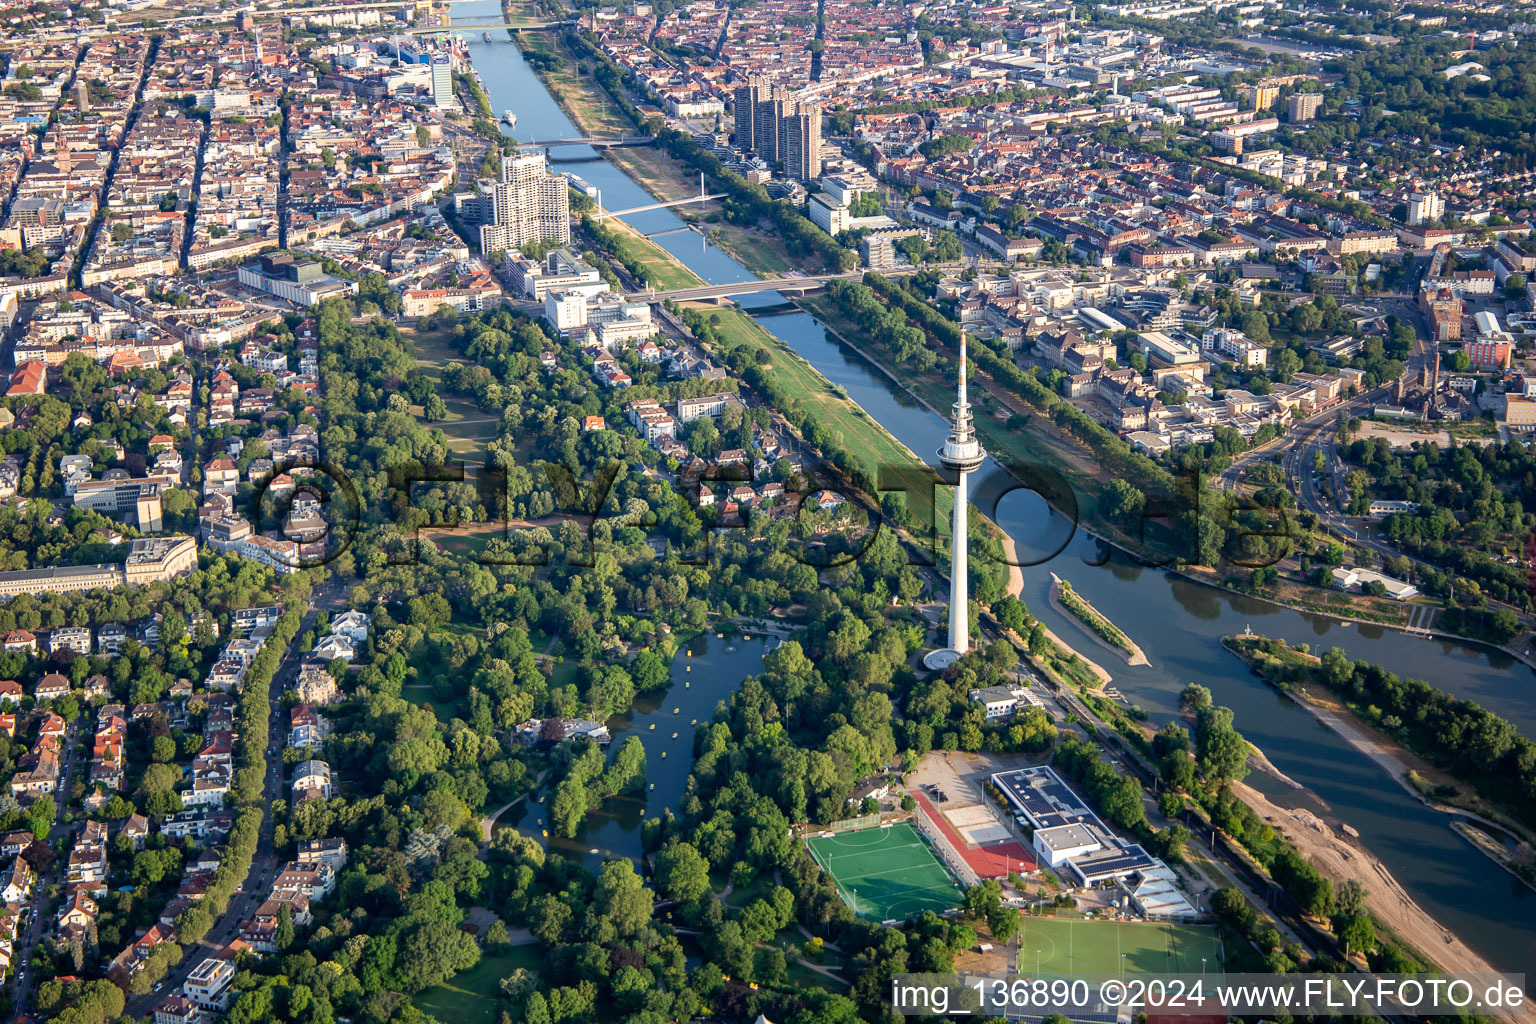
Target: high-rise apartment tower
{"type": "Point", "coordinates": [529, 205]}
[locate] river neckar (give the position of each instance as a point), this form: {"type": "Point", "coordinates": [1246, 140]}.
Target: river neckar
{"type": "Point", "coordinates": [1178, 623]}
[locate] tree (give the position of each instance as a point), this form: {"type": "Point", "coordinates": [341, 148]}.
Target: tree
{"type": "Point", "coordinates": [983, 899]}
{"type": "Point", "coordinates": [1010, 613]}
{"type": "Point", "coordinates": [284, 935]}
{"type": "Point", "coordinates": [1173, 736]}
{"type": "Point", "coordinates": [1256, 326]}
{"type": "Point", "coordinates": [1170, 842]}
{"type": "Point", "coordinates": [649, 671]}
{"type": "Point", "coordinates": [1349, 898]}
{"type": "Point", "coordinates": [681, 873]}
{"type": "Point", "coordinates": [1220, 749]}
{"type": "Point", "coordinates": [41, 814]}
{"type": "Point", "coordinates": [622, 897]}
{"type": "Point", "coordinates": [1194, 697]}
{"type": "Point", "coordinates": [548, 918]}
{"type": "Point", "coordinates": [193, 924]}
{"type": "Point", "coordinates": [1356, 933]}
{"type": "Point", "coordinates": [432, 952]}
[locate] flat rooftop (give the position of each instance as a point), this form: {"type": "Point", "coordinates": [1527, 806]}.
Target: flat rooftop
{"type": "Point", "coordinates": [1043, 798]}
{"type": "Point", "coordinates": [1066, 837]}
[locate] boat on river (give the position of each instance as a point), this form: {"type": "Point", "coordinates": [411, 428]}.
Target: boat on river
{"type": "Point", "coordinates": [509, 117]}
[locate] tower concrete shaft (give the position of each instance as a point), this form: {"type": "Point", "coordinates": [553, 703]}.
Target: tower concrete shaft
{"type": "Point", "coordinates": [962, 454]}
{"type": "Point", "coordinates": [959, 579]}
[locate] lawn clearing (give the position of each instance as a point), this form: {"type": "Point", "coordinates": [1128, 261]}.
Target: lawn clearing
{"type": "Point", "coordinates": [662, 269]}
{"type": "Point", "coordinates": [886, 874]}
{"type": "Point", "coordinates": [466, 426]}
{"type": "Point", "coordinates": [474, 996]}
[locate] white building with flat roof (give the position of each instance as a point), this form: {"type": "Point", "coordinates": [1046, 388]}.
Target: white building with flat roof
{"type": "Point", "coordinates": [207, 987]}
{"type": "Point", "coordinates": [1003, 701]}
{"type": "Point", "coordinates": [1157, 345]}
{"type": "Point", "coordinates": [1061, 843]}
{"type": "Point", "coordinates": [828, 214]}
{"type": "Point", "coordinates": [565, 311]}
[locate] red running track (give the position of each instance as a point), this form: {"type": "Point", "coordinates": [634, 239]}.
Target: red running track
{"type": "Point", "coordinates": [994, 861]}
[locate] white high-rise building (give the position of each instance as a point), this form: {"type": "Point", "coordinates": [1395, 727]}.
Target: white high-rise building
{"type": "Point", "coordinates": [528, 205]}
{"type": "Point", "coordinates": [1423, 206]}
{"type": "Point", "coordinates": [962, 454]}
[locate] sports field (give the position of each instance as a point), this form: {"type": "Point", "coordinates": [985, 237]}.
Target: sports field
{"type": "Point", "coordinates": [1095, 947]}
{"type": "Point", "coordinates": [886, 874]}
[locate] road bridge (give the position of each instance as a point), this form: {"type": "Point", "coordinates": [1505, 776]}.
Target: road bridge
{"type": "Point", "coordinates": [756, 286]}
{"type": "Point", "coordinates": [477, 26]}
{"type": "Point", "coordinates": [595, 143]}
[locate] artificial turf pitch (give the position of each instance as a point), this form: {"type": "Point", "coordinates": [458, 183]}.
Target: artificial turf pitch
{"type": "Point", "coordinates": [1070, 947]}
{"type": "Point", "coordinates": [886, 874]}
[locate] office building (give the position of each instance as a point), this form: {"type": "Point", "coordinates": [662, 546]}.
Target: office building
{"type": "Point", "coordinates": [560, 271]}
{"type": "Point", "coordinates": [565, 310]}
{"type": "Point", "coordinates": [119, 494]}
{"type": "Point", "coordinates": [442, 82]}
{"type": "Point", "coordinates": [154, 559]}
{"type": "Point", "coordinates": [827, 214]}
{"type": "Point", "coordinates": [529, 205]}
{"type": "Point", "coordinates": [1304, 106]}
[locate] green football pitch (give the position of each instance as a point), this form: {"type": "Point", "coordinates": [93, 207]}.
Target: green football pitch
{"type": "Point", "coordinates": [1057, 946]}
{"type": "Point", "coordinates": [886, 874]}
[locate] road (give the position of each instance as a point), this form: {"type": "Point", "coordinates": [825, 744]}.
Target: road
{"type": "Point", "coordinates": [1298, 433]}
{"type": "Point", "coordinates": [265, 863]}
{"type": "Point", "coordinates": [40, 922]}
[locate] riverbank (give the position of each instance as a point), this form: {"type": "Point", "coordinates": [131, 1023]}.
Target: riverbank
{"type": "Point", "coordinates": [1430, 785]}
{"type": "Point", "coordinates": [1341, 856]}
{"type": "Point", "coordinates": [1094, 622]}
{"type": "Point", "coordinates": [1337, 850]}
{"type": "Point", "coordinates": [1520, 868]}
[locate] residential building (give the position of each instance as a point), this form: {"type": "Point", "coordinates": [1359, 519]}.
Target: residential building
{"type": "Point", "coordinates": [528, 205]}
{"type": "Point", "coordinates": [1425, 206]}
{"type": "Point", "coordinates": [207, 987]}
{"type": "Point", "coordinates": [1303, 106]}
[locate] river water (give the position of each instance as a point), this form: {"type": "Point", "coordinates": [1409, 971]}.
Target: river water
{"type": "Point", "coordinates": [1177, 623]}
